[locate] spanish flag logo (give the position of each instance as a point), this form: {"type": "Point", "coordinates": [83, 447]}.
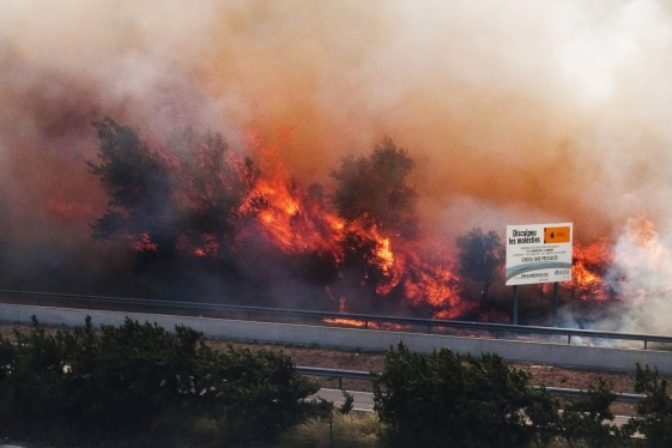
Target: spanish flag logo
{"type": "Point", "coordinates": [555, 235]}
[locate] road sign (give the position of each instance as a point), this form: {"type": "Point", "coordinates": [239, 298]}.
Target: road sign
{"type": "Point", "coordinates": [538, 253]}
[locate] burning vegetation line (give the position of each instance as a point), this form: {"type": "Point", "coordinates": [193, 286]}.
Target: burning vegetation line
{"type": "Point", "coordinates": [187, 213]}
{"type": "Point", "coordinates": [194, 199]}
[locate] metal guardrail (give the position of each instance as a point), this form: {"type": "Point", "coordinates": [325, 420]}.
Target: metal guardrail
{"type": "Point", "coordinates": [340, 374]}
{"type": "Point", "coordinates": [366, 320]}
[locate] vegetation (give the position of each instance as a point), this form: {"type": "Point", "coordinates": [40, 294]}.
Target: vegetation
{"type": "Point", "coordinates": [587, 421]}
{"type": "Point", "coordinates": [376, 188]}
{"type": "Point", "coordinates": [138, 385]}
{"type": "Point", "coordinates": [346, 431]}
{"type": "Point", "coordinates": [445, 399]}
{"type": "Point", "coordinates": [654, 420]}
{"type": "Point", "coordinates": [193, 189]}
{"type": "Point", "coordinates": [480, 258]}
{"type": "Point", "coordinates": [138, 185]}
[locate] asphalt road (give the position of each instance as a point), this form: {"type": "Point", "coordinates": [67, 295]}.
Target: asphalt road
{"type": "Point", "coordinates": [363, 401]}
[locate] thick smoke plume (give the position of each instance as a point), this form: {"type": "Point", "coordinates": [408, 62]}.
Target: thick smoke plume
{"type": "Point", "coordinates": [512, 112]}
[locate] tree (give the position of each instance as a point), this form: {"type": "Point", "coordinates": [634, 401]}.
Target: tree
{"type": "Point", "coordinates": [583, 420]}
{"type": "Point", "coordinates": [480, 258]}
{"type": "Point", "coordinates": [138, 185]}
{"type": "Point", "coordinates": [376, 189]}
{"type": "Point", "coordinates": [654, 419]}
{"type": "Point", "coordinates": [212, 185]}
{"type": "Point", "coordinates": [252, 395]}
{"type": "Point", "coordinates": [140, 385]}
{"type": "Point", "coordinates": [444, 399]}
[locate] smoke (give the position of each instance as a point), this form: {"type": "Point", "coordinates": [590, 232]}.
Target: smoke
{"type": "Point", "coordinates": [643, 258]}
{"type": "Point", "coordinates": [512, 111]}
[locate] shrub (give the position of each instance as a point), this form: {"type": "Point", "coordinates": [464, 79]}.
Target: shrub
{"type": "Point", "coordinates": [445, 399]}
{"type": "Point", "coordinates": [139, 385]}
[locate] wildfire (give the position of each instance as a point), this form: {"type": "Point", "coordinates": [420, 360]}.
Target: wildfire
{"type": "Point", "coordinates": [209, 247]}
{"type": "Point", "coordinates": [642, 234]}
{"type": "Point", "coordinates": [436, 287]}
{"type": "Point", "coordinates": [144, 243]}
{"type": "Point", "coordinates": [645, 261]}
{"type": "Point", "coordinates": [637, 265]}
{"type": "Point", "coordinates": [355, 323]}
{"type": "Point", "coordinates": [356, 242]}
{"type": "Point", "coordinates": [70, 208]}
{"type": "Point", "coordinates": [299, 224]}
{"type": "Point", "coordinates": [590, 265]}
{"type": "Point", "coordinates": [292, 220]}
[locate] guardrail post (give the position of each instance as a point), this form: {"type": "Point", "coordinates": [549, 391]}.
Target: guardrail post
{"type": "Point", "coordinates": [569, 339]}
{"type": "Point", "coordinates": [340, 382]}
{"type": "Point", "coordinates": [646, 344]}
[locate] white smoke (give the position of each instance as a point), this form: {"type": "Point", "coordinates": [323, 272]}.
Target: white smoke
{"type": "Point", "coordinates": [513, 110]}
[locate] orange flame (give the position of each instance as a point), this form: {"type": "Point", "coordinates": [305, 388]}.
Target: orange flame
{"type": "Point", "coordinates": [144, 243]}
{"type": "Point", "coordinates": [590, 264]}
{"type": "Point", "coordinates": [209, 248]}
{"type": "Point", "coordinates": [298, 224]}
{"type": "Point", "coordinates": [294, 222]}
{"type": "Point", "coordinates": [645, 261]}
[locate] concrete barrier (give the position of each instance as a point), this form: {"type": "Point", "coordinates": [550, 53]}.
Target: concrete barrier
{"type": "Point", "coordinates": [622, 360]}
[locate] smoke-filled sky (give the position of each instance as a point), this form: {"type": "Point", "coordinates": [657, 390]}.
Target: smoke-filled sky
{"type": "Point", "coordinates": [514, 111]}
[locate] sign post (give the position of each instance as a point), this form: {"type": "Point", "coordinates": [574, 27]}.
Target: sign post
{"type": "Point", "coordinates": [555, 304]}
{"type": "Point", "coordinates": [515, 305]}
{"type": "Point", "coordinates": [538, 253]}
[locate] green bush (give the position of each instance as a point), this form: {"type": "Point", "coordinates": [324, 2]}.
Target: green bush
{"type": "Point", "coordinates": [444, 399]}
{"type": "Point", "coordinates": [349, 431]}
{"type": "Point", "coordinates": [588, 419]}
{"type": "Point", "coordinates": [139, 385]}
{"type": "Point", "coordinates": [654, 411]}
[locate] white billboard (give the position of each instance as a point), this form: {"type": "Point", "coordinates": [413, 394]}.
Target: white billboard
{"type": "Point", "coordinates": [539, 253]}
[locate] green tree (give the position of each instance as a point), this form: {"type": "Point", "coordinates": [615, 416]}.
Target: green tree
{"type": "Point", "coordinates": [443, 399]}
{"type": "Point", "coordinates": [252, 395]}
{"type": "Point", "coordinates": [587, 420]}
{"type": "Point", "coordinates": [139, 385]}
{"type": "Point", "coordinates": [480, 258]}
{"type": "Point", "coordinates": [376, 189]}
{"type": "Point", "coordinates": [654, 411]}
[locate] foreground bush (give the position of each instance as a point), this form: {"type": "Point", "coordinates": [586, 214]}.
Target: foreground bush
{"type": "Point", "coordinates": [654, 411]}
{"type": "Point", "coordinates": [349, 431]}
{"type": "Point", "coordinates": [138, 385]}
{"type": "Point", "coordinates": [445, 399]}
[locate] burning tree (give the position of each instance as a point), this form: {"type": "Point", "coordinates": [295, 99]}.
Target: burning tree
{"type": "Point", "coordinates": [480, 258]}
{"type": "Point", "coordinates": [139, 188]}
{"type": "Point", "coordinates": [212, 185]}
{"type": "Point", "coordinates": [184, 197]}
{"type": "Point", "coordinates": [193, 200]}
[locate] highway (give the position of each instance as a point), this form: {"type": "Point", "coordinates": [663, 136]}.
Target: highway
{"type": "Point", "coordinates": [307, 328]}
{"type": "Point", "coordinates": [363, 402]}
{"type": "Point", "coordinates": [196, 307]}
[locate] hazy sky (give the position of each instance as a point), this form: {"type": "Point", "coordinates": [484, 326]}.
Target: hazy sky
{"type": "Point", "coordinates": [514, 111]}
